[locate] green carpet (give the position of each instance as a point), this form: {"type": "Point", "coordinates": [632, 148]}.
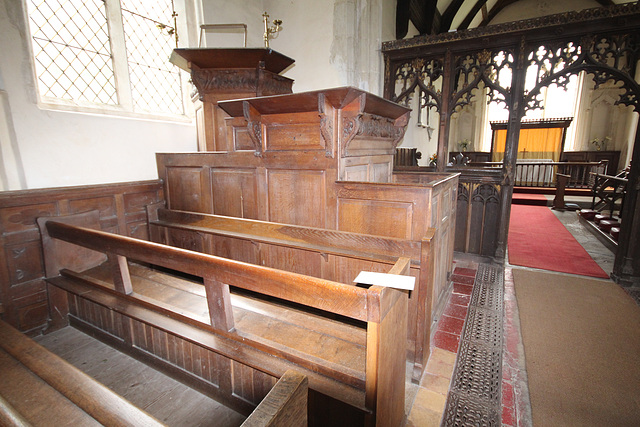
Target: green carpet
{"type": "Point", "coordinates": [581, 340]}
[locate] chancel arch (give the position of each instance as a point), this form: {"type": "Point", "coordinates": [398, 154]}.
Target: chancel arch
{"type": "Point", "coordinates": [603, 43]}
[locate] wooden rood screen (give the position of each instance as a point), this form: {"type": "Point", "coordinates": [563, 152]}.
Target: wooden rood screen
{"type": "Point", "coordinates": [150, 312]}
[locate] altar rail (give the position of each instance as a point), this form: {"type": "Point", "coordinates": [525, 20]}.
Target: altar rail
{"type": "Point", "coordinates": [543, 174]}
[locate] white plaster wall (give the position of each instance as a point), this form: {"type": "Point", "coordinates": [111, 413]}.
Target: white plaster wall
{"type": "Point", "coordinates": [525, 9]}
{"type": "Point", "coordinates": [55, 148]}
{"type": "Point", "coordinates": [334, 42]}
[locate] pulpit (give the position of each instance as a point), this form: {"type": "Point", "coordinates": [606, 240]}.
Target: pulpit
{"type": "Point", "coordinates": [220, 74]}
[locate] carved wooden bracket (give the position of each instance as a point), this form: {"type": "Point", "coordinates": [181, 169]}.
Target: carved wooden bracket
{"type": "Point", "coordinates": [254, 126]}
{"type": "Point", "coordinates": [326, 113]}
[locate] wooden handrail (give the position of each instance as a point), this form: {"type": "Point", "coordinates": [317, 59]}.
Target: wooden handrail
{"type": "Point", "coordinates": [346, 300]}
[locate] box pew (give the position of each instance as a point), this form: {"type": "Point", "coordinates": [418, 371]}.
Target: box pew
{"type": "Point", "coordinates": [327, 254]}
{"type": "Point", "coordinates": [355, 356]}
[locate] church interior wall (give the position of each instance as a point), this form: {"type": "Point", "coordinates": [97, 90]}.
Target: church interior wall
{"type": "Point", "coordinates": [61, 148]}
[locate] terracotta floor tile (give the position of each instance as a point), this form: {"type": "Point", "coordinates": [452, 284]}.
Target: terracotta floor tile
{"type": "Point", "coordinates": [440, 368]}
{"type": "Point", "coordinates": [446, 341]}
{"type": "Point", "coordinates": [508, 416]}
{"type": "Point", "coordinates": [444, 356]}
{"type": "Point", "coordinates": [462, 271]}
{"type": "Point", "coordinates": [466, 280]}
{"type": "Point", "coordinates": [457, 311]}
{"type": "Point", "coordinates": [459, 288]}
{"type": "Point", "coordinates": [460, 299]}
{"type": "Point", "coordinates": [435, 383]}
{"type": "Point", "coordinates": [508, 398]}
{"type": "Point", "coordinates": [423, 418]}
{"type": "Point", "coordinates": [426, 399]}
{"type": "Point", "coordinates": [450, 325]}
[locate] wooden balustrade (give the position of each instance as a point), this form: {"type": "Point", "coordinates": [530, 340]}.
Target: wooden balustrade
{"type": "Point", "coordinates": [543, 174]}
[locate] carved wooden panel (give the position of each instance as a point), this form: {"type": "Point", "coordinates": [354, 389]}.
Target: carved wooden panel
{"type": "Point", "coordinates": [382, 218]}
{"type": "Point", "coordinates": [284, 134]}
{"type": "Point", "coordinates": [249, 384]}
{"type": "Point", "coordinates": [478, 217]}
{"type": "Point", "coordinates": [234, 192]}
{"type": "Point", "coordinates": [23, 218]}
{"type": "Point", "coordinates": [238, 385]}
{"type": "Point", "coordinates": [105, 205]}
{"type": "Point", "coordinates": [186, 188]}
{"type": "Point", "coordinates": [185, 240]}
{"type": "Point", "coordinates": [237, 249]}
{"type": "Point", "coordinates": [22, 291]}
{"type": "Point", "coordinates": [24, 262]}
{"type": "Point", "coordinates": [295, 260]}
{"type": "Point", "coordinates": [356, 172]}
{"type": "Point", "coordinates": [238, 134]}
{"type": "Point", "coordinates": [297, 197]}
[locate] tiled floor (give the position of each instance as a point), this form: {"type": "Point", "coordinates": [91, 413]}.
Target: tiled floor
{"type": "Point", "coordinates": [429, 401]}
{"type": "Point", "coordinates": [431, 396]}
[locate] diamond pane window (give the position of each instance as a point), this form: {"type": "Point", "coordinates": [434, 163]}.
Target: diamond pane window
{"type": "Point", "coordinates": [82, 57]}
{"type": "Point", "coordinates": [71, 50]}
{"type": "Point", "coordinates": [149, 38]}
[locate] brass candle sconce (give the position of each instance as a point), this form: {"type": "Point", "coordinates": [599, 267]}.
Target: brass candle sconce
{"type": "Point", "coordinates": [270, 30]}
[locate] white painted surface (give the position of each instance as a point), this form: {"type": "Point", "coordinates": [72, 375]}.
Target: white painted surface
{"type": "Point", "coordinates": [56, 148]}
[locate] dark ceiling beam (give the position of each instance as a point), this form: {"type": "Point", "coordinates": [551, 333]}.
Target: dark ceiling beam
{"type": "Point", "coordinates": [472, 14]}
{"type": "Point", "coordinates": [449, 14]}
{"type": "Point", "coordinates": [423, 13]}
{"type": "Point", "coordinates": [402, 19]}
{"type": "Point", "coordinates": [605, 2]}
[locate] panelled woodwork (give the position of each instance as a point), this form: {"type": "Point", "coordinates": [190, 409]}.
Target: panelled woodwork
{"type": "Point", "coordinates": [612, 157]}
{"type": "Point", "coordinates": [23, 294]}
{"type": "Point", "coordinates": [237, 384]}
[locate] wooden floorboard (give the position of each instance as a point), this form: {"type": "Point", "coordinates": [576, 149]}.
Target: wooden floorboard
{"type": "Point", "coordinates": [161, 396]}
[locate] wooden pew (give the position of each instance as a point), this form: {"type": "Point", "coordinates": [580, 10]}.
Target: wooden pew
{"type": "Point", "coordinates": [327, 254]}
{"type": "Point", "coordinates": [40, 388]}
{"type": "Point", "coordinates": [362, 364]}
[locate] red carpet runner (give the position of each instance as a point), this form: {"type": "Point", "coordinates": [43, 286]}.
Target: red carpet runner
{"type": "Point", "coordinates": [538, 239]}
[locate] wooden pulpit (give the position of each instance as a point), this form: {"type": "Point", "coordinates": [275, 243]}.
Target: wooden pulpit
{"type": "Point", "coordinates": [229, 73]}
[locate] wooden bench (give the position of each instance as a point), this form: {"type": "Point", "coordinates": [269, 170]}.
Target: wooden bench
{"type": "Point", "coordinates": [356, 355]}
{"type": "Point", "coordinates": [327, 254]}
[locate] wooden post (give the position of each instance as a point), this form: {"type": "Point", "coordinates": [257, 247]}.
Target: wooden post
{"type": "Point", "coordinates": [120, 271]}
{"type": "Point", "coordinates": [219, 303]}
{"type": "Point", "coordinates": [561, 184]}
